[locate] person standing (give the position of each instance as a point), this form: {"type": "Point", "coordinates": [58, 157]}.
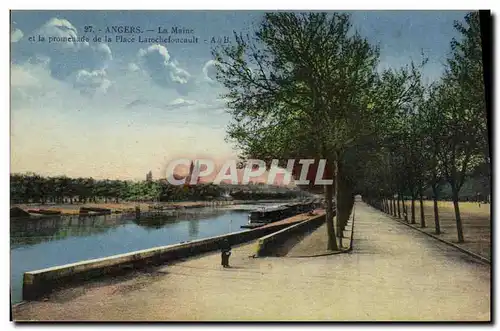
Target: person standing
{"type": "Point", "coordinates": [225, 253]}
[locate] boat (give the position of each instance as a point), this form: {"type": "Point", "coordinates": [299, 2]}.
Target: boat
{"type": "Point", "coordinates": [94, 210]}
{"type": "Point", "coordinates": [274, 214]}
{"type": "Point", "coordinates": [44, 211]}
{"type": "Point", "coordinates": [268, 215]}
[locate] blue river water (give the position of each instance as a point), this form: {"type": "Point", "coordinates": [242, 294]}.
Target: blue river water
{"type": "Point", "coordinates": [48, 242]}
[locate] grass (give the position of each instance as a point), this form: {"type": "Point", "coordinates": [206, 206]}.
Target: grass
{"type": "Point", "coordinates": [476, 220]}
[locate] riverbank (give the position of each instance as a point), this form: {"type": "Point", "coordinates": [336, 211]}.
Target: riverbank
{"type": "Point", "coordinates": [130, 207]}
{"type": "Point", "coordinates": [116, 208]}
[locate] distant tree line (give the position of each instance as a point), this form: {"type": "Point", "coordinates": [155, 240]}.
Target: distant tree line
{"type": "Point", "coordinates": [34, 188]}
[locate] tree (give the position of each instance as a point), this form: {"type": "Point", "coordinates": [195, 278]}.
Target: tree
{"type": "Point", "coordinates": [461, 98]}
{"type": "Point", "coordinates": [299, 88]}
{"type": "Point", "coordinates": [465, 68]}
{"type": "Point", "coordinates": [394, 158]}
{"type": "Point", "coordinates": [432, 128]}
{"type": "Point", "coordinates": [459, 144]}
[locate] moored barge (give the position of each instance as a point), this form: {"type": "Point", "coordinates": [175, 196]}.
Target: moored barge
{"type": "Point", "coordinates": [269, 215]}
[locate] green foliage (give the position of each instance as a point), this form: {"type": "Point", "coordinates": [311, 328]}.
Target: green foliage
{"type": "Point", "coordinates": [292, 84]}
{"type": "Point", "coordinates": [306, 86]}
{"type": "Point", "coordinates": [33, 188]}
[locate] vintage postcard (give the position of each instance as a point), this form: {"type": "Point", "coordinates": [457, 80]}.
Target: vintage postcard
{"type": "Point", "coordinates": [250, 166]}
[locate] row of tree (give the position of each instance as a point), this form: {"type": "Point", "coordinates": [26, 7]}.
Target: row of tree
{"type": "Point", "coordinates": [305, 85]}
{"type": "Point", "coordinates": [33, 188]}
{"type": "Point", "coordinates": [38, 189]}
{"type": "Point", "coordinates": [442, 138]}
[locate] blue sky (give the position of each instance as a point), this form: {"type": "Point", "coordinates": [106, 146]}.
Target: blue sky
{"type": "Point", "coordinates": [118, 110]}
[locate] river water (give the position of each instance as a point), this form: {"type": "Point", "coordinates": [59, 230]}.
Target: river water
{"type": "Point", "coordinates": [48, 242]}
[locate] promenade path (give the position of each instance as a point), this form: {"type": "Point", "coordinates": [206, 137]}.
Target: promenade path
{"type": "Point", "coordinates": [394, 273]}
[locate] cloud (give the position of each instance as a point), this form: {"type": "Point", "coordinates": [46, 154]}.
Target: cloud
{"type": "Point", "coordinates": [90, 82]}
{"type": "Point", "coordinates": [180, 102]}
{"type": "Point", "coordinates": [156, 61]}
{"type": "Point", "coordinates": [132, 67]}
{"type": "Point", "coordinates": [102, 53]}
{"type": "Point", "coordinates": [60, 28]}
{"type": "Point", "coordinates": [175, 104]}
{"type": "Point", "coordinates": [66, 57]}
{"type": "Point", "coordinates": [177, 74]}
{"type": "Point", "coordinates": [16, 35]}
{"type": "Point", "coordinates": [137, 103]}
{"type": "Point", "coordinates": [33, 87]}
{"type": "Point", "coordinates": [210, 72]}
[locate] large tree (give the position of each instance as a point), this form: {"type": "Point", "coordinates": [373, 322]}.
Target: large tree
{"type": "Point", "coordinates": [465, 69]}
{"type": "Point", "coordinates": [461, 98]}
{"type": "Point", "coordinates": [299, 87]}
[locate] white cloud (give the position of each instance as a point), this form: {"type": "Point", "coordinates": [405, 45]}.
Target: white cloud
{"type": "Point", "coordinates": [157, 52]}
{"type": "Point", "coordinates": [210, 72]}
{"type": "Point", "coordinates": [181, 101]}
{"type": "Point", "coordinates": [176, 103]}
{"type": "Point", "coordinates": [64, 56]}
{"type": "Point", "coordinates": [103, 53]}
{"type": "Point", "coordinates": [156, 61]}
{"type": "Point", "coordinates": [16, 35]}
{"type": "Point", "coordinates": [132, 67]}
{"type": "Point", "coordinates": [60, 28]}
{"type": "Point", "coordinates": [177, 74]}
{"type": "Point", "coordinates": [89, 82]}
{"type": "Point", "coordinates": [33, 87]}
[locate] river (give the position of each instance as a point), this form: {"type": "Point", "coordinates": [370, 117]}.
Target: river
{"type": "Point", "coordinates": [48, 242]}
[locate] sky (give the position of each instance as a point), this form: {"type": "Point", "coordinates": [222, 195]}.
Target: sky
{"type": "Point", "coordinates": [115, 109]}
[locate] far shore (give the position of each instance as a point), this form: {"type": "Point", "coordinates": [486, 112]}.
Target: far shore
{"type": "Point", "coordinates": [129, 206]}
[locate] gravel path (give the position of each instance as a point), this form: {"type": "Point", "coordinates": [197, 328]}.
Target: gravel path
{"type": "Point", "coordinates": [392, 275]}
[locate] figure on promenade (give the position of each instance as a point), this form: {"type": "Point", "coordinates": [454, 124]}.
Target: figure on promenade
{"type": "Point", "coordinates": [225, 253]}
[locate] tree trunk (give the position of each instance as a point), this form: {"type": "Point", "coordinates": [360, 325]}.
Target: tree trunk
{"type": "Point", "coordinates": [332, 241]}
{"type": "Point", "coordinates": [393, 207]}
{"type": "Point", "coordinates": [405, 208]}
{"type": "Point", "coordinates": [457, 214]}
{"type": "Point", "coordinates": [338, 200]}
{"type": "Point", "coordinates": [351, 203]}
{"type": "Point", "coordinates": [343, 209]}
{"type": "Point", "coordinates": [436, 211]}
{"type": "Point", "coordinates": [422, 216]}
{"type": "Point", "coordinates": [413, 210]}
{"type": "Point", "coordinates": [399, 209]}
